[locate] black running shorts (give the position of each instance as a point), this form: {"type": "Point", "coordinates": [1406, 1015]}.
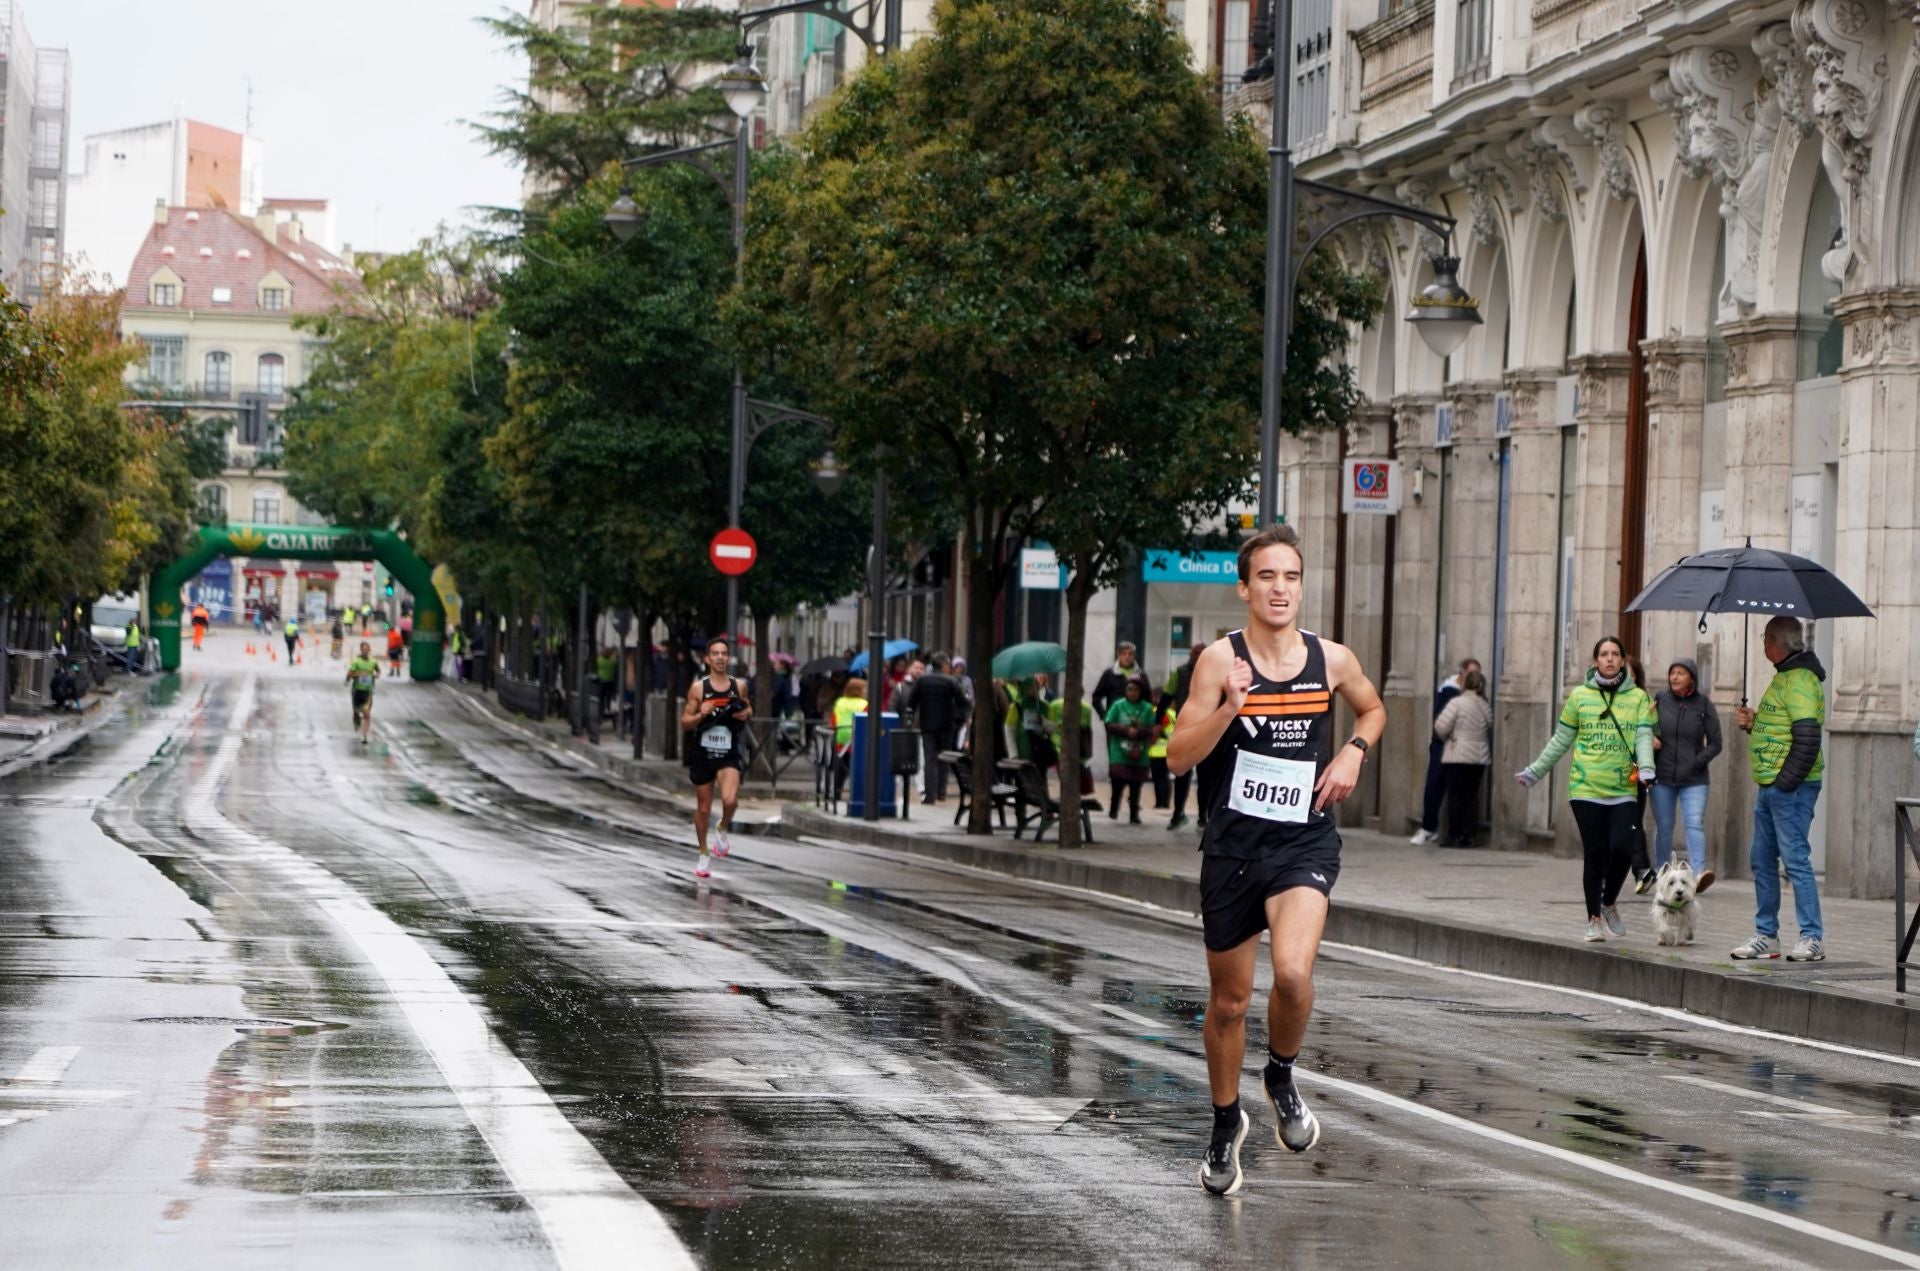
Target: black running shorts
{"type": "Point", "coordinates": [362, 698]}
{"type": "Point", "coordinates": [703, 768]}
{"type": "Point", "coordinates": [1233, 892]}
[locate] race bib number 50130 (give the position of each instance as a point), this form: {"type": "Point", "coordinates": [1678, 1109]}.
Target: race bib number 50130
{"type": "Point", "coordinates": [1272, 789]}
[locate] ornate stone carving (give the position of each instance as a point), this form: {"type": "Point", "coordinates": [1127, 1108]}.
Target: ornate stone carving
{"type": "Point", "coordinates": [1781, 65]}
{"type": "Point", "coordinates": [1599, 123]}
{"type": "Point", "coordinates": [1675, 371]}
{"type": "Point", "coordinates": [1669, 97]}
{"type": "Point", "coordinates": [1845, 43]}
{"type": "Point", "coordinates": [1883, 327]}
{"type": "Point", "coordinates": [1714, 88]}
{"type": "Point", "coordinates": [1737, 362]}
{"type": "Point", "coordinates": [1543, 184]}
{"type": "Point", "coordinates": [1418, 192]}
{"type": "Point", "coordinates": [1575, 153]}
{"type": "Point", "coordinates": [1488, 184]}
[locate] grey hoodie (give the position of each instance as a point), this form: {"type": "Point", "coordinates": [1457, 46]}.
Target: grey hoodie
{"type": "Point", "coordinates": [1689, 731]}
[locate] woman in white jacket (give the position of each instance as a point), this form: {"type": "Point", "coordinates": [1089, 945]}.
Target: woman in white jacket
{"type": "Point", "coordinates": [1466, 728]}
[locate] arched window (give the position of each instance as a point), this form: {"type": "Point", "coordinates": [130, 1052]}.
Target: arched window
{"type": "Point", "coordinates": [213, 504]}
{"type": "Point", "coordinates": [273, 375]}
{"type": "Point", "coordinates": [1820, 334]}
{"type": "Point", "coordinates": [216, 379]}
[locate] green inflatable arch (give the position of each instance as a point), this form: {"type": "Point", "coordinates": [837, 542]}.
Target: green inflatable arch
{"type": "Point", "coordinates": [304, 543]}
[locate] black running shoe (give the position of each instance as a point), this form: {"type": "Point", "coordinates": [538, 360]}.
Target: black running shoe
{"type": "Point", "coordinates": [1294, 1127]}
{"type": "Point", "coordinates": [1220, 1171]}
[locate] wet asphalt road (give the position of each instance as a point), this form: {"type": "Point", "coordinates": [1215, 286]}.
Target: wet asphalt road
{"type": "Point", "coordinates": [268, 998]}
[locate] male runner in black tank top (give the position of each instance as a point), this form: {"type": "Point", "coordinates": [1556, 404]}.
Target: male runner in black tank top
{"type": "Point", "coordinates": [1259, 725]}
{"type": "Point", "coordinates": [712, 718]}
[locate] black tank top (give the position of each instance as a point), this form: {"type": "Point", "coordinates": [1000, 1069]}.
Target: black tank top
{"type": "Point", "coordinates": [1291, 719]}
{"type": "Point", "coordinates": [718, 739]}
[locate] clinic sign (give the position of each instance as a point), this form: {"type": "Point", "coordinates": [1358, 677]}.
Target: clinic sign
{"type": "Point", "coordinates": [1041, 570]}
{"type": "Point", "coordinates": [1165, 565]}
{"type": "Point", "coordinates": [1372, 487]}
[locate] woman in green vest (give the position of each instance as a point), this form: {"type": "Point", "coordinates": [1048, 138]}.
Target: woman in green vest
{"type": "Point", "coordinates": [1607, 723]}
{"type": "Point", "coordinates": [1129, 732]}
{"type": "Point", "coordinates": [851, 702]}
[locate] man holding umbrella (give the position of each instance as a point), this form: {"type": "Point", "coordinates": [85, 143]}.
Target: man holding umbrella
{"type": "Point", "coordinates": [1785, 750]}
{"type": "Point", "coordinates": [1788, 766]}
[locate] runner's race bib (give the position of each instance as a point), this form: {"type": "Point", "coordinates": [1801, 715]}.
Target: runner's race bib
{"type": "Point", "coordinates": [1272, 789]}
{"type": "Point", "coordinates": [717, 739]}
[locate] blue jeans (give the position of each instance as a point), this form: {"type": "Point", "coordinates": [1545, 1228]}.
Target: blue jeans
{"type": "Point", "coordinates": [1780, 824]}
{"type": "Point", "coordinates": [1692, 803]}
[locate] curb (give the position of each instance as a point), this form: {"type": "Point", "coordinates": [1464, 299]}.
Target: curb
{"type": "Point", "coordinates": [1745, 999]}
{"type": "Point", "coordinates": [105, 708]}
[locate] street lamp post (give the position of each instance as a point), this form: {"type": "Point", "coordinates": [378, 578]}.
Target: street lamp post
{"type": "Point", "coordinates": [1444, 313]}
{"type": "Point", "coordinates": [744, 89]}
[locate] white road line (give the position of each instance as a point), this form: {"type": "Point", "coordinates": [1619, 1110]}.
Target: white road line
{"type": "Point", "coordinates": [1121, 1013]}
{"type": "Point", "coordinates": [1759, 1096]}
{"type": "Point", "coordinates": [48, 1064]}
{"type": "Point", "coordinates": [1665, 1012]}
{"type": "Point", "coordinates": [1180, 918]}
{"type": "Point", "coordinates": [591, 1216]}
{"type": "Point", "coordinates": [1610, 1170]}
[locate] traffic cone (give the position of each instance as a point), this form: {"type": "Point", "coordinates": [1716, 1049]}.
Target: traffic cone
{"type": "Point", "coordinates": [296, 657]}
{"type": "Point", "coordinates": [272, 656]}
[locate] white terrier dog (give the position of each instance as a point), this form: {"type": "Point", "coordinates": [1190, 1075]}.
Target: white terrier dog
{"type": "Point", "coordinates": [1675, 903]}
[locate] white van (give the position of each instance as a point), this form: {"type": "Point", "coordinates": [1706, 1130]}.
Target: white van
{"type": "Point", "coordinates": [111, 614]}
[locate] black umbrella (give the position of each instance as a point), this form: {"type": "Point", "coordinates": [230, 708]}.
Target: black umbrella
{"type": "Point", "coordinates": [824, 666]}
{"type": "Point", "coordinates": [1749, 580]}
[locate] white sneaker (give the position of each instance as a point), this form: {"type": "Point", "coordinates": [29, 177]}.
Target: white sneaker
{"type": "Point", "coordinates": [703, 870]}
{"type": "Point", "coordinates": [1612, 914]}
{"type": "Point", "coordinates": [721, 844]}
{"type": "Point", "coordinates": [1808, 950]}
{"type": "Point", "coordinates": [1595, 935]}
{"type": "Point", "coordinates": [1757, 948]}
{"type": "Point", "coordinates": [1421, 837]}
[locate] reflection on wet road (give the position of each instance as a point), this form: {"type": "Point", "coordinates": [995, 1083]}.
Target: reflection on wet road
{"type": "Point", "coordinates": [448, 1001]}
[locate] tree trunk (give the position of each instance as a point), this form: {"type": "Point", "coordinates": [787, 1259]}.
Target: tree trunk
{"type": "Point", "coordinates": [1079, 596]}
{"type": "Point", "coordinates": [980, 667]}
{"type": "Point", "coordinates": [763, 691]}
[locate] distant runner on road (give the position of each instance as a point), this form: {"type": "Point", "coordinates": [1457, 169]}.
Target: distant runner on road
{"type": "Point", "coordinates": [1259, 725]}
{"type": "Point", "coordinates": [362, 674]}
{"type": "Point", "coordinates": [396, 647]}
{"type": "Point", "coordinates": [292, 633]}
{"type": "Point", "coordinates": [713, 716]}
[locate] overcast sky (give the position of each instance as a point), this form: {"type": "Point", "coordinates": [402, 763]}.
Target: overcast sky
{"type": "Point", "coordinates": [358, 101]}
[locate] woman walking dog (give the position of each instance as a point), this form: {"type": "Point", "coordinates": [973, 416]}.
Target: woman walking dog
{"type": "Point", "coordinates": [1689, 742]}
{"type": "Point", "coordinates": [1608, 725]}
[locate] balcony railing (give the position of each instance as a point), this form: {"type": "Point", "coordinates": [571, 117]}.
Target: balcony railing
{"type": "Point", "coordinates": [1563, 26]}
{"type": "Point", "coordinates": [1396, 69]}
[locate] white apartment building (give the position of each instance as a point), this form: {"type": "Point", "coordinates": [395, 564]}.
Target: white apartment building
{"type": "Point", "coordinates": [35, 98]}
{"type": "Point", "coordinates": [213, 297]}
{"type": "Point", "coordinates": [1695, 235]}
{"type": "Point", "coordinates": [181, 161]}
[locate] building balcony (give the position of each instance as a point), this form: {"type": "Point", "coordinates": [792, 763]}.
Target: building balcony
{"type": "Point", "coordinates": [1396, 70]}
{"type": "Point", "coordinates": [1561, 27]}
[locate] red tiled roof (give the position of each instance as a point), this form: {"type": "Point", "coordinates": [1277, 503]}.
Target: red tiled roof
{"type": "Point", "coordinates": [315, 275]}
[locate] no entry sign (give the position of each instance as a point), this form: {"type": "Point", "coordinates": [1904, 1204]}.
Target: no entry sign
{"type": "Point", "coordinates": [733, 551]}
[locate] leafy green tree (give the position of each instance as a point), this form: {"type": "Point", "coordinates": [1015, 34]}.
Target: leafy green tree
{"type": "Point", "coordinates": [618, 444]}
{"type": "Point", "coordinates": [1026, 254]}
{"type": "Point", "coordinates": [390, 427]}
{"type": "Point", "coordinates": [610, 78]}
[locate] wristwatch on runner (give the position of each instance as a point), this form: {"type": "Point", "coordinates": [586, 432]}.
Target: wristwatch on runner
{"type": "Point", "coordinates": [1360, 742]}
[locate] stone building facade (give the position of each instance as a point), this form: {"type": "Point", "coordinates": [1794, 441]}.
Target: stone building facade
{"type": "Point", "coordinates": [1695, 233]}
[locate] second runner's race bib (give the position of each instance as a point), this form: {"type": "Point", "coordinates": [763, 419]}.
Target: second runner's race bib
{"type": "Point", "coordinates": [717, 740]}
{"type": "Point", "coordinates": [1272, 789]}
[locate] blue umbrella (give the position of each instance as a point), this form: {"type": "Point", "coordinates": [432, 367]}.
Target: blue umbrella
{"type": "Point", "coordinates": [892, 649]}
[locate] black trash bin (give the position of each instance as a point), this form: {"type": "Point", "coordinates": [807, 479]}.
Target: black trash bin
{"type": "Point", "coordinates": [903, 760]}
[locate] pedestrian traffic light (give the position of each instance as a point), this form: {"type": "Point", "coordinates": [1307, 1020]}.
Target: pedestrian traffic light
{"type": "Point", "coordinates": [389, 588]}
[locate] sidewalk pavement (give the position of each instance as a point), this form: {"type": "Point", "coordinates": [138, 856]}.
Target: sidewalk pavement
{"type": "Point", "coordinates": [1503, 913]}
{"type": "Point", "coordinates": [26, 740]}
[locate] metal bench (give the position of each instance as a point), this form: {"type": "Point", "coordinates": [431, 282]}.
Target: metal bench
{"type": "Point", "coordinates": [1034, 802]}
{"type": "Point", "coordinates": [1004, 796]}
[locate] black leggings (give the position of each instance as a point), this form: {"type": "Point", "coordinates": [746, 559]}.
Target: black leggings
{"type": "Point", "coordinates": [1606, 835]}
